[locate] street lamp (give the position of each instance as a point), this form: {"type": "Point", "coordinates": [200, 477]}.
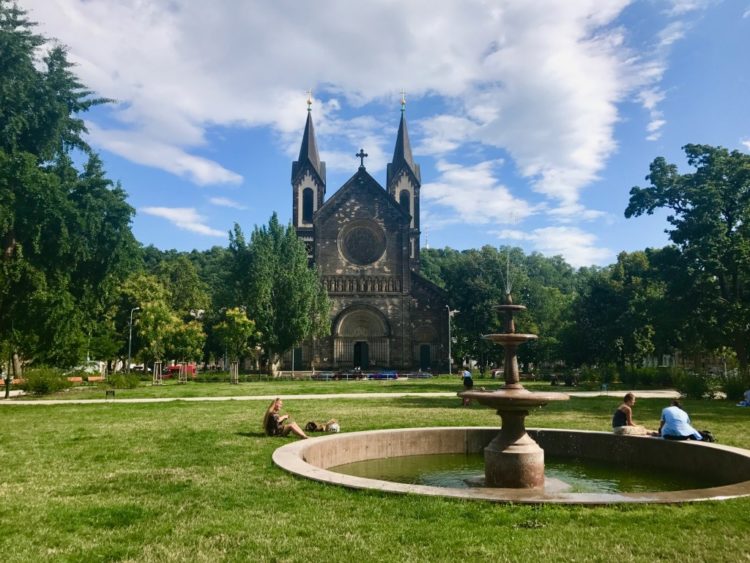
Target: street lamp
{"type": "Point", "coordinates": [130, 334]}
{"type": "Point", "coordinates": [451, 312]}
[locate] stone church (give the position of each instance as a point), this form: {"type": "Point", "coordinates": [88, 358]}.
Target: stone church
{"type": "Point", "coordinates": [364, 241]}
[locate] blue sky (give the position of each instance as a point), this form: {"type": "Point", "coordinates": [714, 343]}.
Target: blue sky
{"type": "Point", "coordinates": [531, 121]}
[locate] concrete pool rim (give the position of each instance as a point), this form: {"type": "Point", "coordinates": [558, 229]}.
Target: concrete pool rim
{"type": "Point", "coordinates": [312, 459]}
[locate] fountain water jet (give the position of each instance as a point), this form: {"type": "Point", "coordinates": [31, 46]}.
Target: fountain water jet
{"type": "Point", "coordinates": [512, 459]}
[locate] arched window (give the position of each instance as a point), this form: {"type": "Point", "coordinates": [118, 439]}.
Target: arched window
{"type": "Point", "coordinates": [403, 199]}
{"type": "Point", "coordinates": [307, 205]}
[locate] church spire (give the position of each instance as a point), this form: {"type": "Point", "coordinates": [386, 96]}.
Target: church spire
{"type": "Point", "coordinates": [403, 182]}
{"type": "Point", "coordinates": [308, 152]}
{"type": "Point", "coordinates": [308, 181]}
{"type": "Point", "coordinates": [402, 153]}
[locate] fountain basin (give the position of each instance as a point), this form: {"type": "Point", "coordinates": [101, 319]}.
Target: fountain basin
{"type": "Point", "coordinates": [723, 464]}
{"type": "Point", "coordinates": [509, 338]}
{"type": "Point", "coordinates": [513, 398]}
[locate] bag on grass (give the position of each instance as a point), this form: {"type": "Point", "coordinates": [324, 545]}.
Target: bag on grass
{"type": "Point", "coordinates": [330, 426]}
{"type": "Point", "coordinates": [707, 436]}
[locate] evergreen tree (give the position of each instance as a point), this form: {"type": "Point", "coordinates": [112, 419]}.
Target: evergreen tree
{"type": "Point", "coordinates": [64, 235]}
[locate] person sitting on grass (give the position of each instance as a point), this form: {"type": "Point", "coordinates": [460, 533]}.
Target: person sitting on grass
{"type": "Point", "coordinates": [622, 420]}
{"type": "Point", "coordinates": [675, 424]}
{"type": "Point", "coordinates": [279, 425]}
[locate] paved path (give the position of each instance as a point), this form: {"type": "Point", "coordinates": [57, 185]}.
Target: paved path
{"type": "Point", "coordinates": [645, 394]}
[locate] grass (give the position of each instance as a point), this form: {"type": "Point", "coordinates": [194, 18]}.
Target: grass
{"type": "Point", "coordinates": [171, 388]}
{"type": "Point", "coordinates": [194, 481]}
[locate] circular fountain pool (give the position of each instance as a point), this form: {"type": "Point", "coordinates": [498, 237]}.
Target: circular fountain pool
{"type": "Point", "coordinates": [711, 471]}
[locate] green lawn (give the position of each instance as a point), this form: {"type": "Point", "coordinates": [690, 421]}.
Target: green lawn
{"type": "Point", "coordinates": [171, 388]}
{"type": "Point", "coordinates": [194, 481]}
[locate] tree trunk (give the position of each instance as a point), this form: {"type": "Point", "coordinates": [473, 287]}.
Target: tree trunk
{"type": "Point", "coordinates": [17, 368]}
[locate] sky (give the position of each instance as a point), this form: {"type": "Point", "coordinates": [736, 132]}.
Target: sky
{"type": "Point", "coordinates": [530, 120]}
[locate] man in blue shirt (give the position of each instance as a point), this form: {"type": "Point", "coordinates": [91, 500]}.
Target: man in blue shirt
{"type": "Point", "coordinates": [675, 424]}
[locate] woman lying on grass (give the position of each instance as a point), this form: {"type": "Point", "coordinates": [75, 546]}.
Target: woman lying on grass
{"type": "Point", "coordinates": [277, 425]}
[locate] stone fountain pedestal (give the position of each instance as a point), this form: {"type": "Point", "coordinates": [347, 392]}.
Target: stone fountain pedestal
{"type": "Point", "coordinates": [512, 459]}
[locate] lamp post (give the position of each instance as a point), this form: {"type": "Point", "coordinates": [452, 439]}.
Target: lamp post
{"type": "Point", "coordinates": [451, 312]}
{"type": "Point", "coordinates": [130, 334]}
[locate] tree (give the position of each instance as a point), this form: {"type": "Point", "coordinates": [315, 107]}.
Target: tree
{"type": "Point", "coordinates": [710, 226]}
{"type": "Point", "coordinates": [185, 340]}
{"type": "Point", "coordinates": [280, 292]}
{"type": "Point", "coordinates": [188, 295]}
{"type": "Point", "coordinates": [64, 234]}
{"type": "Point", "coordinates": [236, 332]}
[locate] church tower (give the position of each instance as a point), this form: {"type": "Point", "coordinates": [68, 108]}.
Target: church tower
{"type": "Point", "coordinates": [403, 180]}
{"type": "Point", "coordinates": [308, 183]}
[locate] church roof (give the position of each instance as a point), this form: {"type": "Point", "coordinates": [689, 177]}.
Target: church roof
{"type": "Point", "coordinates": [360, 181]}
{"type": "Point", "coordinates": [419, 280]}
{"type": "Point", "coordinates": [308, 153]}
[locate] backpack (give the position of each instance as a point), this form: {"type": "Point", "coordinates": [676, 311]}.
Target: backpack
{"type": "Point", "coordinates": [707, 436]}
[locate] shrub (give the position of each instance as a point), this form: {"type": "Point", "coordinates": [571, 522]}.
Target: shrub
{"type": "Point", "coordinates": [214, 376]}
{"type": "Point", "coordinates": [649, 377]}
{"type": "Point", "coordinates": [734, 386]}
{"type": "Point", "coordinates": [124, 380]}
{"type": "Point", "coordinates": [44, 380]}
{"type": "Point", "coordinates": [588, 375]}
{"type": "Point", "coordinates": [694, 385]}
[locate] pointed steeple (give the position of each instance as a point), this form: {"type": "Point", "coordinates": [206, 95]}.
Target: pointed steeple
{"type": "Point", "coordinates": [402, 152]}
{"type": "Point", "coordinates": [402, 156]}
{"type": "Point", "coordinates": [308, 152]}
{"type": "Point", "coordinates": [403, 182]}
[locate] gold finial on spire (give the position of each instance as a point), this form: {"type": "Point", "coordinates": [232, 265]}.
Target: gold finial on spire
{"type": "Point", "coordinates": [309, 100]}
{"type": "Point", "coordinates": [403, 100]}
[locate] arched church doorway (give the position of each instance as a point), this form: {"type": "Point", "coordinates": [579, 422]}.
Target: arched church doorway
{"type": "Point", "coordinates": [361, 336]}
{"type": "Point", "coordinates": [361, 355]}
{"type": "Point", "coordinates": [425, 359]}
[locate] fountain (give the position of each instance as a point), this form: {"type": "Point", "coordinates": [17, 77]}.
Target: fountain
{"type": "Point", "coordinates": [513, 459]}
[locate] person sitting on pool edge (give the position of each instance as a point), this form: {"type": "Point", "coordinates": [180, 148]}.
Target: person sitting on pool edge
{"type": "Point", "coordinates": [622, 420]}
{"type": "Point", "coordinates": [675, 424]}
{"type": "Point", "coordinates": [277, 425]}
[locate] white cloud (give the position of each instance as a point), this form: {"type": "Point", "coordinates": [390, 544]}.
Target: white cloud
{"type": "Point", "coordinates": [226, 202]}
{"type": "Point", "coordinates": [746, 14]}
{"type": "Point", "coordinates": [541, 79]}
{"type": "Point", "coordinates": [474, 194]}
{"type": "Point", "coordinates": [746, 142]}
{"type": "Point", "coordinates": [681, 7]}
{"type": "Point", "coordinates": [185, 218]}
{"type": "Point", "coordinates": [150, 151]}
{"type": "Point", "coordinates": [575, 212]}
{"type": "Point", "coordinates": [444, 133]}
{"type": "Point", "coordinates": [575, 245]}
{"type": "Point", "coordinates": [672, 33]}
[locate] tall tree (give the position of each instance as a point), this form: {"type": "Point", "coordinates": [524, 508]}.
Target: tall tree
{"type": "Point", "coordinates": [280, 292]}
{"type": "Point", "coordinates": [64, 234]}
{"type": "Point", "coordinates": [710, 226]}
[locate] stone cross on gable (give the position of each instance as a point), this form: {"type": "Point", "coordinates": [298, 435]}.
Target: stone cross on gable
{"type": "Point", "coordinates": [361, 155]}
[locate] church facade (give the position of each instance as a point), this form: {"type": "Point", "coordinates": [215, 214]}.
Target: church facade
{"type": "Point", "coordinates": [365, 242]}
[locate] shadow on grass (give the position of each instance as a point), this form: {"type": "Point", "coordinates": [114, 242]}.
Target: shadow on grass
{"type": "Point", "coordinates": [251, 434]}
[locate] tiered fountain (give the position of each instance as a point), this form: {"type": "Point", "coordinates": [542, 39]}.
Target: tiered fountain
{"type": "Point", "coordinates": [512, 459]}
